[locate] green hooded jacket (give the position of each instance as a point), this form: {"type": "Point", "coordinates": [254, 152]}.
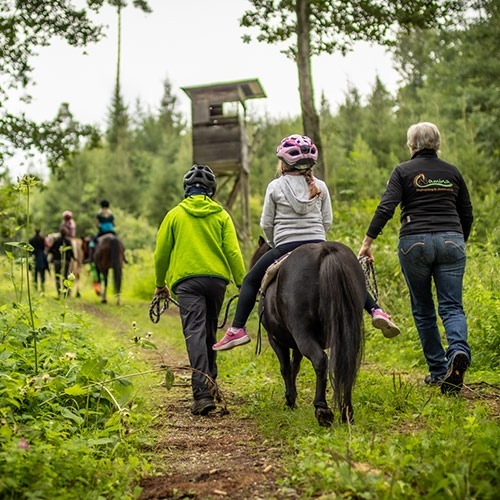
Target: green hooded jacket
{"type": "Point", "coordinates": [197, 238]}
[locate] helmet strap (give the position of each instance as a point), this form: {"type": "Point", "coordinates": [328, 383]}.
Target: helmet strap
{"type": "Point", "coordinates": [198, 189]}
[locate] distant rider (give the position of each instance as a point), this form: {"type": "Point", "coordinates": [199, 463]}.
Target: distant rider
{"type": "Point", "coordinates": [105, 222]}
{"type": "Point", "coordinates": [105, 219]}
{"type": "Point", "coordinates": [68, 224]}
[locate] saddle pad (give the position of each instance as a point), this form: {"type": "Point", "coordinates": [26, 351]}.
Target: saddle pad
{"type": "Point", "coordinates": [271, 272]}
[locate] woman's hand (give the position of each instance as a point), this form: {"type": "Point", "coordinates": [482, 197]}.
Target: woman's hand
{"type": "Point", "coordinates": [366, 250]}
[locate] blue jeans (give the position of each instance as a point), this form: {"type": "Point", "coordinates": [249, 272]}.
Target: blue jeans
{"type": "Point", "coordinates": [438, 257]}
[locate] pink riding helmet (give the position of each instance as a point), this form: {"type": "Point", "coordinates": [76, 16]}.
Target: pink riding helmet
{"type": "Point", "coordinates": [297, 151]}
{"type": "Point", "coordinates": [67, 214]}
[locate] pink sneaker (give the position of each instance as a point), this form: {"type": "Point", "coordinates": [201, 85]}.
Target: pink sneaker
{"type": "Point", "coordinates": [233, 337]}
{"type": "Point", "coordinates": [382, 321]}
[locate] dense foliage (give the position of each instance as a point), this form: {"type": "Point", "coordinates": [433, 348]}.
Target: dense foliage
{"type": "Point", "coordinates": [67, 404]}
{"type": "Point", "coordinates": [24, 28]}
{"type": "Point", "coordinates": [70, 418]}
{"type": "Point", "coordinates": [364, 138]}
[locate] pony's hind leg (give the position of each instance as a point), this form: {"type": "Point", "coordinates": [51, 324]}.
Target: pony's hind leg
{"type": "Point", "coordinates": [319, 360]}
{"type": "Point", "coordinates": [323, 413]}
{"type": "Point", "coordinates": [104, 286]}
{"type": "Point", "coordinates": [296, 359]}
{"type": "Point", "coordinates": [288, 371]}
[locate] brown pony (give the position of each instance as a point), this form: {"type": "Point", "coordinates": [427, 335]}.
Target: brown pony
{"type": "Point", "coordinates": [109, 253]}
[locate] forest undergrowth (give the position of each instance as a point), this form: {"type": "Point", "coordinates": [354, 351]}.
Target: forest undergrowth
{"type": "Point", "coordinates": [79, 407]}
{"type": "Point", "coordinates": [80, 423]}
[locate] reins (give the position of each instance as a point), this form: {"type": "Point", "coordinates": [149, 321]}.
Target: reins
{"type": "Point", "coordinates": [227, 310]}
{"type": "Point", "coordinates": [370, 277]}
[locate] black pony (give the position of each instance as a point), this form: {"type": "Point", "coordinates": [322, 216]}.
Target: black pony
{"type": "Point", "coordinates": [109, 254]}
{"type": "Point", "coordinates": [314, 304]}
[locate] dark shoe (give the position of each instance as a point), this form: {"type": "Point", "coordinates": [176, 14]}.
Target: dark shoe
{"type": "Point", "coordinates": [454, 378]}
{"type": "Point", "coordinates": [430, 380]}
{"type": "Point", "coordinates": [202, 406]}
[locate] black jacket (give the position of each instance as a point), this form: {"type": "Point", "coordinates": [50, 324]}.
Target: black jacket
{"type": "Point", "coordinates": [432, 194]}
{"type": "Point", "coordinates": [58, 247]}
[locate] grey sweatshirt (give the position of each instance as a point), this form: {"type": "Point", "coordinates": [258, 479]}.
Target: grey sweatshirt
{"type": "Point", "coordinates": [288, 215]}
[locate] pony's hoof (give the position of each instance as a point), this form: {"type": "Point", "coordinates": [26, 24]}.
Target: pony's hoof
{"type": "Point", "coordinates": [324, 416]}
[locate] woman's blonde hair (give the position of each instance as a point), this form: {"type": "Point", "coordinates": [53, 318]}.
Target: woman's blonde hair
{"type": "Point", "coordinates": [314, 190]}
{"type": "Point", "coordinates": [423, 135]}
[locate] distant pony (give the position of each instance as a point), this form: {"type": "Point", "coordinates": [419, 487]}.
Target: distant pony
{"type": "Point", "coordinates": [315, 303]}
{"type": "Point", "coordinates": [109, 253]}
{"type": "Point", "coordinates": [76, 265]}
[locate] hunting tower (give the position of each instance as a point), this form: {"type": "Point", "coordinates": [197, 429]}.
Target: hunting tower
{"type": "Point", "coordinates": [218, 115]}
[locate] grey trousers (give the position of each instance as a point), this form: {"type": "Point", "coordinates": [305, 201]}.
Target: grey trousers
{"type": "Point", "coordinates": [200, 300]}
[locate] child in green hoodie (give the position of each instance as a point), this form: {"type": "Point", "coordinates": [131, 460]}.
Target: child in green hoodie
{"type": "Point", "coordinates": [197, 254]}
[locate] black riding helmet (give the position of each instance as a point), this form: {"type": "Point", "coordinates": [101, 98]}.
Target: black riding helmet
{"type": "Point", "coordinates": [201, 176]}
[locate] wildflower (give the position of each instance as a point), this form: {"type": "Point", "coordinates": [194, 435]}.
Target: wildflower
{"type": "Point", "coordinates": [71, 277]}
{"type": "Point", "coordinates": [23, 444]}
{"type": "Point", "coordinates": [134, 324]}
{"type": "Point", "coordinates": [70, 355]}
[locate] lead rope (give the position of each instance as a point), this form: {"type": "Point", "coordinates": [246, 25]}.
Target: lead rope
{"type": "Point", "coordinates": [156, 309]}
{"type": "Point", "coordinates": [370, 277]}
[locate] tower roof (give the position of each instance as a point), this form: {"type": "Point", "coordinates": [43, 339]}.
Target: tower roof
{"type": "Point", "coordinates": [240, 90]}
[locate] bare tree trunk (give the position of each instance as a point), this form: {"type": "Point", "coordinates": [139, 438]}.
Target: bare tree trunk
{"type": "Point", "coordinates": [310, 118]}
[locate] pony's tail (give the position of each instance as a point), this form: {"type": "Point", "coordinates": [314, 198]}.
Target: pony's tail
{"type": "Point", "coordinates": [116, 264]}
{"type": "Point", "coordinates": [342, 296]}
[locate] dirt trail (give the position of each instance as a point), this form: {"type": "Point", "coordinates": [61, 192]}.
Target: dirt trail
{"type": "Point", "coordinates": [212, 457]}
{"type": "Point", "coordinates": [209, 457]}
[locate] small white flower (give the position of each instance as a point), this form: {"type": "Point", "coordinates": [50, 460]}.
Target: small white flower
{"type": "Point", "coordinates": [71, 277]}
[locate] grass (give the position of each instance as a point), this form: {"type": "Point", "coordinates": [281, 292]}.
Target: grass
{"type": "Point", "coordinates": [407, 441]}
